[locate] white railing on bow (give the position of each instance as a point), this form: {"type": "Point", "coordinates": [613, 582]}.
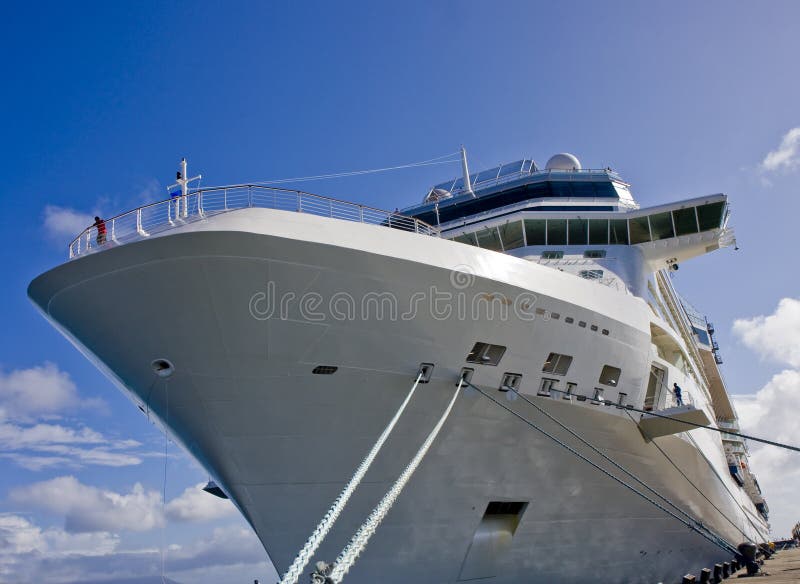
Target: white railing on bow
{"type": "Point", "coordinates": [164, 215]}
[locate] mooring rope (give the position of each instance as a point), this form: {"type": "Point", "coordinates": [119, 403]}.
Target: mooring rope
{"type": "Point", "coordinates": [691, 525]}
{"type": "Point", "coordinates": [360, 540]}
{"type": "Point", "coordinates": [611, 461]}
{"type": "Point", "coordinates": [304, 556]}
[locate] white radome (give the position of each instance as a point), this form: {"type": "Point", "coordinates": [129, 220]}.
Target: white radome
{"type": "Point", "coordinates": [563, 161]}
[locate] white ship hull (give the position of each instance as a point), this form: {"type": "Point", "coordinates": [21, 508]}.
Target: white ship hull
{"type": "Point", "coordinates": [211, 298]}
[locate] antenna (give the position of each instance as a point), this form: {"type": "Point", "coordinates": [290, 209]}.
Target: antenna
{"type": "Point", "coordinates": [182, 181]}
{"type": "Point", "coordinates": [465, 168]}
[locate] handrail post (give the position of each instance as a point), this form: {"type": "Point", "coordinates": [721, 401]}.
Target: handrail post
{"type": "Point", "coordinates": [249, 195]}
{"type": "Point", "coordinates": [225, 199]}
{"type": "Point", "coordinates": [88, 238]}
{"type": "Point", "coordinates": [114, 230]}
{"type": "Point", "coordinates": [361, 213]}
{"type": "Point", "coordinates": [139, 228]}
{"type": "Point", "coordinates": [416, 226]}
{"type": "Point", "coordinates": [330, 209]}
{"type": "Point", "coordinates": [299, 202]}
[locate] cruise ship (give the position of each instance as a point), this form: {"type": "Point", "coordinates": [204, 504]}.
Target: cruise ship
{"type": "Point", "coordinates": [512, 351]}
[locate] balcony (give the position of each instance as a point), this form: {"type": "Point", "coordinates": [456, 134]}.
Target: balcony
{"type": "Point", "coordinates": [168, 214]}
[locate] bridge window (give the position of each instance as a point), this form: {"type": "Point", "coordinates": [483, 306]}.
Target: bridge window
{"type": "Point", "coordinates": [685, 221]}
{"type": "Point", "coordinates": [710, 216]}
{"type": "Point", "coordinates": [598, 231]}
{"type": "Point", "coordinates": [661, 226]}
{"type": "Point", "coordinates": [490, 239]}
{"type": "Point", "coordinates": [618, 231]}
{"type": "Point", "coordinates": [578, 231]}
{"type": "Point", "coordinates": [640, 230]}
{"type": "Point", "coordinates": [557, 364]}
{"type": "Point", "coordinates": [468, 238]}
{"type": "Point", "coordinates": [535, 231]}
{"type": "Point", "coordinates": [511, 234]}
{"type": "Point", "coordinates": [556, 232]}
{"type": "Point", "coordinates": [552, 255]}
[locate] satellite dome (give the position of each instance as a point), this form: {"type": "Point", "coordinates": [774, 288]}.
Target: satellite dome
{"type": "Point", "coordinates": [563, 161]}
{"type": "Point", "coordinates": [437, 195]}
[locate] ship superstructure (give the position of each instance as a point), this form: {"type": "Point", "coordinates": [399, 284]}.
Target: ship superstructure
{"type": "Point", "coordinates": [275, 332]}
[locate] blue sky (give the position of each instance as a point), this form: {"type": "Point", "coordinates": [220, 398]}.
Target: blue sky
{"type": "Point", "coordinates": [100, 101]}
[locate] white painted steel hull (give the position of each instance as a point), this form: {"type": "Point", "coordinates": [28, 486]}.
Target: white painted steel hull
{"type": "Point", "coordinates": [282, 442]}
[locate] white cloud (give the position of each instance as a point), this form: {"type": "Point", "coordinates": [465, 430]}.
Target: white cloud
{"type": "Point", "coordinates": [775, 337]}
{"type": "Point", "coordinates": [64, 224]}
{"type": "Point", "coordinates": [194, 504]}
{"type": "Point", "coordinates": [88, 509]}
{"type": "Point", "coordinates": [39, 391]}
{"type": "Point", "coordinates": [31, 554]}
{"type": "Point", "coordinates": [786, 156]}
{"type": "Point", "coordinates": [771, 414]}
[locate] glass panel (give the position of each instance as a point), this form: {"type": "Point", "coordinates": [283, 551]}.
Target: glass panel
{"type": "Point", "coordinates": [577, 231]}
{"type": "Point", "coordinates": [639, 230]}
{"type": "Point", "coordinates": [468, 238]}
{"type": "Point", "coordinates": [619, 231]}
{"type": "Point", "coordinates": [489, 239]}
{"type": "Point", "coordinates": [535, 231]}
{"type": "Point", "coordinates": [556, 232]}
{"type": "Point", "coordinates": [510, 168]}
{"type": "Point", "coordinates": [485, 175]}
{"type": "Point", "coordinates": [685, 221]}
{"type": "Point", "coordinates": [511, 234]}
{"type": "Point", "coordinates": [446, 186]}
{"type": "Point", "coordinates": [526, 165]}
{"type": "Point", "coordinates": [710, 216]}
{"type": "Point", "coordinates": [459, 184]}
{"type": "Point", "coordinates": [598, 231]}
{"type": "Point", "coordinates": [661, 226]}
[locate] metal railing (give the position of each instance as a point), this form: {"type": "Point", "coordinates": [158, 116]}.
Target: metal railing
{"type": "Point", "coordinates": [170, 213]}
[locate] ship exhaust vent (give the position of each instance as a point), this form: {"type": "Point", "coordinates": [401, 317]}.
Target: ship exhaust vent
{"type": "Point", "coordinates": [492, 540]}
{"type": "Point", "coordinates": [325, 370]}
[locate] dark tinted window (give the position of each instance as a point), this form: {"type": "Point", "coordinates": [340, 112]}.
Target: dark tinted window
{"type": "Point", "coordinates": [577, 231]}
{"type": "Point", "coordinates": [710, 216]}
{"type": "Point", "coordinates": [685, 221]}
{"type": "Point", "coordinates": [535, 231]}
{"type": "Point", "coordinates": [639, 230]}
{"type": "Point", "coordinates": [511, 234]}
{"type": "Point", "coordinates": [661, 226]}
{"type": "Point", "coordinates": [489, 239]}
{"type": "Point", "coordinates": [556, 232]}
{"type": "Point", "coordinates": [598, 231]}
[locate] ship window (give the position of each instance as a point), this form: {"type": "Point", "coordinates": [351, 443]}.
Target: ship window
{"type": "Point", "coordinates": [577, 231]}
{"type": "Point", "coordinates": [552, 255]}
{"type": "Point", "coordinates": [485, 175]}
{"type": "Point", "coordinates": [594, 253]}
{"type": "Point", "coordinates": [610, 375]}
{"type": "Point", "coordinates": [535, 231]}
{"type": "Point", "coordinates": [598, 231]}
{"type": "Point", "coordinates": [593, 327]}
{"type": "Point", "coordinates": [468, 238]}
{"type": "Point", "coordinates": [555, 315]}
{"type": "Point", "coordinates": [510, 168]}
{"type": "Point", "coordinates": [489, 239]}
{"type": "Point", "coordinates": [640, 232]}
{"type": "Point", "coordinates": [710, 216]}
{"type": "Point", "coordinates": [591, 274]}
{"type": "Point", "coordinates": [556, 232]}
{"type": "Point", "coordinates": [569, 320]}
{"type": "Point", "coordinates": [661, 225]}
{"type": "Point", "coordinates": [557, 364]}
{"type": "Point", "coordinates": [685, 221]}
{"type": "Point", "coordinates": [582, 323]}
{"type": "Point", "coordinates": [618, 231]}
{"type": "Point", "coordinates": [511, 235]}
{"type": "Point", "coordinates": [486, 354]}
{"type": "Point", "coordinates": [605, 332]}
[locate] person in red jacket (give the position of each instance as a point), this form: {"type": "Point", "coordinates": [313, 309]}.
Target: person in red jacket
{"type": "Point", "coordinates": [101, 230]}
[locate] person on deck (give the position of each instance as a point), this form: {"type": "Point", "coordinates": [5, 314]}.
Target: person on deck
{"type": "Point", "coordinates": [101, 230]}
{"type": "Point", "coordinates": [678, 394]}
